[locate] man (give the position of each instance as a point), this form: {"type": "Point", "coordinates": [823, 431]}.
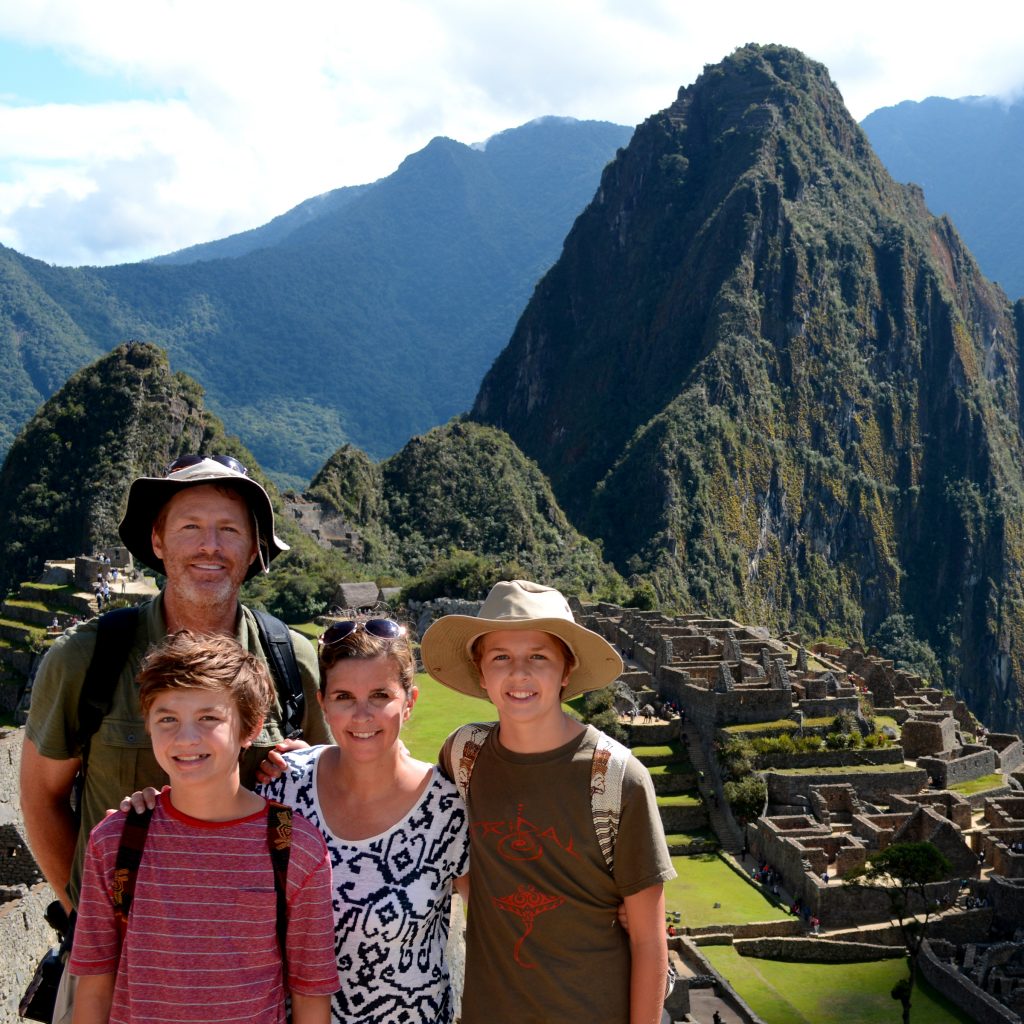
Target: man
{"type": "Point", "coordinates": [208, 527]}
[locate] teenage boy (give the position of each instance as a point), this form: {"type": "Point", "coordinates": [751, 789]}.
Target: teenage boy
{"type": "Point", "coordinates": [201, 942]}
{"type": "Point", "coordinates": [543, 939]}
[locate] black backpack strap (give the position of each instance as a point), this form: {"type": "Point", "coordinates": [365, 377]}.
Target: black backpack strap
{"type": "Point", "coordinates": [126, 866]}
{"type": "Point", "coordinates": [115, 635]}
{"type": "Point", "coordinates": [279, 840]}
{"type": "Point", "coordinates": [276, 641]}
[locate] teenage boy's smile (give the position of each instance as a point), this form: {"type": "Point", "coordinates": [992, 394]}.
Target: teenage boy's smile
{"type": "Point", "coordinates": [523, 670]}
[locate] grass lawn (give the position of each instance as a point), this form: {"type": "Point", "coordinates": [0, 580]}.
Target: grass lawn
{"type": "Point", "coordinates": [438, 711]}
{"type": "Point", "coordinates": [993, 781]}
{"type": "Point", "coordinates": [852, 769]}
{"type": "Point", "coordinates": [705, 880]}
{"type": "Point", "coordinates": [674, 750]}
{"type": "Point", "coordinates": [679, 800]}
{"type": "Point", "coordinates": [779, 725]}
{"type": "Point", "coordinates": [808, 993]}
{"type": "Point", "coordinates": [678, 768]}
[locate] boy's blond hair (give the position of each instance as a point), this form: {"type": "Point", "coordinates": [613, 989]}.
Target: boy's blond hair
{"type": "Point", "coordinates": [193, 661]}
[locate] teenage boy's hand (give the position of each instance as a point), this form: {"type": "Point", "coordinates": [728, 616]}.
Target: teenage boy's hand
{"type": "Point", "coordinates": [273, 765]}
{"type": "Point", "coordinates": [139, 801]}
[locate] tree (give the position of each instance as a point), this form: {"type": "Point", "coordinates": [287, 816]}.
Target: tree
{"type": "Point", "coordinates": [906, 870]}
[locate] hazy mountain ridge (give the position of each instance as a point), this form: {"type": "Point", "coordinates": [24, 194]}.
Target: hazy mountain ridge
{"type": "Point", "coordinates": [764, 374]}
{"type": "Point", "coordinates": [370, 323]}
{"type": "Point", "coordinates": [967, 155]}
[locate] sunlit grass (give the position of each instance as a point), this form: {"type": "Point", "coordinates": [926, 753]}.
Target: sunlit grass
{"type": "Point", "coordinates": [705, 880]}
{"type": "Point", "coordinates": [808, 993]}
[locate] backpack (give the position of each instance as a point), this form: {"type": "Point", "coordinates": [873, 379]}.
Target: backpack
{"type": "Point", "coordinates": [133, 841]}
{"type": "Point", "coordinates": [607, 770]}
{"type": "Point", "coordinates": [115, 633]}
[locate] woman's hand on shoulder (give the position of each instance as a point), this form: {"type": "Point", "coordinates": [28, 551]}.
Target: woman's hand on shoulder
{"type": "Point", "coordinates": [273, 766]}
{"type": "Point", "coordinates": [140, 801]}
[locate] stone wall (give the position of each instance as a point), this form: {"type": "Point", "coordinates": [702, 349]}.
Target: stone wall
{"type": "Point", "coordinates": [1007, 898]}
{"type": "Point", "coordinates": [920, 737]}
{"type": "Point", "coordinates": [976, 762]}
{"type": "Point", "coordinates": [24, 934]}
{"type": "Point", "coordinates": [875, 787]}
{"type": "Point", "coordinates": [831, 758]}
{"type": "Point", "coordinates": [815, 950]}
{"type": "Point", "coordinates": [1009, 749]}
{"type": "Point", "coordinates": [960, 990]}
{"type": "Point", "coordinates": [733, 708]}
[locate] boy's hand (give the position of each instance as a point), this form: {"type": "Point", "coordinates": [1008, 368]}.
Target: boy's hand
{"type": "Point", "coordinates": [623, 918]}
{"type": "Point", "coordinates": [140, 800]}
{"type": "Point", "coordinates": [273, 765]}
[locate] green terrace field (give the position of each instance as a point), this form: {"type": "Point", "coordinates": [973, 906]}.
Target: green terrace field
{"type": "Point", "coordinates": [993, 781]}
{"type": "Point", "coordinates": [437, 712]}
{"type": "Point", "coordinates": [779, 725]}
{"type": "Point", "coordinates": [808, 993]}
{"type": "Point", "coordinates": [854, 769]}
{"type": "Point", "coordinates": [706, 879]}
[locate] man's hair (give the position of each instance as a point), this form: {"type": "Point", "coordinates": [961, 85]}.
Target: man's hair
{"type": "Point", "coordinates": [192, 661]}
{"type": "Point", "coordinates": [364, 646]}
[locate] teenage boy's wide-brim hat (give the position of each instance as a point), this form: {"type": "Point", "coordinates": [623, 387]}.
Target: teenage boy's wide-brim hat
{"type": "Point", "coordinates": [517, 604]}
{"type": "Point", "coordinates": [149, 494]}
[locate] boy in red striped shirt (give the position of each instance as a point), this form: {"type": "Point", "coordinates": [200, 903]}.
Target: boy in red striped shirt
{"type": "Point", "coordinates": [201, 943]}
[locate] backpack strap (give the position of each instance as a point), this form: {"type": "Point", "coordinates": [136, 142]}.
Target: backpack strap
{"type": "Point", "coordinates": [276, 641]}
{"type": "Point", "coordinates": [607, 771]}
{"type": "Point", "coordinates": [466, 746]}
{"type": "Point", "coordinates": [279, 841]}
{"type": "Point", "coordinates": [126, 866]}
{"type": "Point", "coordinates": [133, 842]}
{"type": "Point", "coordinates": [115, 635]}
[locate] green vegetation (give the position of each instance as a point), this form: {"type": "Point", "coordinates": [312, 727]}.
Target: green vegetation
{"type": "Point", "coordinates": [703, 881]}
{"type": "Point", "coordinates": [805, 993]}
{"type": "Point", "coordinates": [905, 871]}
{"type": "Point", "coordinates": [679, 800]}
{"type": "Point", "coordinates": [437, 713]}
{"type": "Point", "coordinates": [855, 769]}
{"type": "Point", "coordinates": [992, 781]}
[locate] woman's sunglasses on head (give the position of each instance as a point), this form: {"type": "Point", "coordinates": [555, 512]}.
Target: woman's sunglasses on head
{"type": "Point", "coordinates": [383, 629]}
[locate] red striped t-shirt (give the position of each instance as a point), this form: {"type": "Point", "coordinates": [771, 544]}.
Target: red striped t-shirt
{"type": "Point", "coordinates": [201, 944]}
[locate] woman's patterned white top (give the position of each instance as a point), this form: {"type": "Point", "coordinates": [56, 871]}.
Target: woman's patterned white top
{"type": "Point", "coordinates": [392, 897]}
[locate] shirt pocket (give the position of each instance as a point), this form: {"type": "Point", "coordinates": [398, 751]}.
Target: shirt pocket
{"type": "Point", "coordinates": [121, 750]}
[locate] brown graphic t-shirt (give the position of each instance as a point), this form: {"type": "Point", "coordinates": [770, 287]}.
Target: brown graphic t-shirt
{"type": "Point", "coordinates": [543, 940]}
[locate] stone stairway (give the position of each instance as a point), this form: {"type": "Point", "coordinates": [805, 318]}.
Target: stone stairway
{"type": "Point", "coordinates": [721, 823]}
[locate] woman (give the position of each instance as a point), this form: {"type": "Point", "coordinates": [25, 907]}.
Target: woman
{"type": "Point", "coordinates": [395, 827]}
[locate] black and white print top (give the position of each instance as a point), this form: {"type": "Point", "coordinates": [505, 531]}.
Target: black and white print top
{"type": "Point", "coordinates": [392, 898]}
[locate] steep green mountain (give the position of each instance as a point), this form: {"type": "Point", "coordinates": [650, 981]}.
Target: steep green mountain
{"type": "Point", "coordinates": [462, 499]}
{"type": "Point", "coordinates": [764, 374]}
{"type": "Point", "coordinates": [967, 155]}
{"type": "Point", "coordinates": [65, 479]}
{"type": "Point", "coordinates": [367, 318]}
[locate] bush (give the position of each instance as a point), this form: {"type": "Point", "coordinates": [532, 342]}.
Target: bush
{"type": "Point", "coordinates": [598, 709]}
{"type": "Point", "coordinates": [746, 796]}
{"type": "Point", "coordinates": [737, 758]}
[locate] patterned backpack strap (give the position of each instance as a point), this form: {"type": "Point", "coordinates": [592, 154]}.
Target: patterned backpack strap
{"type": "Point", "coordinates": [126, 866]}
{"type": "Point", "coordinates": [465, 747]}
{"type": "Point", "coordinates": [607, 771]}
{"type": "Point", "coordinates": [279, 840]}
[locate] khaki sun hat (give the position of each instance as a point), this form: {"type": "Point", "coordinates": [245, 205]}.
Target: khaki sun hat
{"type": "Point", "coordinates": [148, 495]}
{"type": "Point", "coordinates": [517, 604]}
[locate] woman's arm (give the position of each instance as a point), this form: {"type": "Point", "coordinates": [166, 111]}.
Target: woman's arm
{"type": "Point", "coordinates": [645, 912]}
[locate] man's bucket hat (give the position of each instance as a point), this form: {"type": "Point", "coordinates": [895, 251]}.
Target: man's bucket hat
{"type": "Point", "coordinates": [517, 604]}
{"type": "Point", "coordinates": [149, 494]}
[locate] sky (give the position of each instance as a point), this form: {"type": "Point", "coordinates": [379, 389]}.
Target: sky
{"type": "Point", "coordinates": [132, 129]}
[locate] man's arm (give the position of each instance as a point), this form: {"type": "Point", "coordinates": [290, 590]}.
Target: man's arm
{"type": "Point", "coordinates": [94, 995]}
{"type": "Point", "coordinates": [46, 809]}
{"type": "Point", "coordinates": [645, 912]}
{"type": "Point", "coordinates": [308, 1009]}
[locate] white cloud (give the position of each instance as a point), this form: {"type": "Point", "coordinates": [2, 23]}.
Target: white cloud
{"type": "Point", "coordinates": [249, 108]}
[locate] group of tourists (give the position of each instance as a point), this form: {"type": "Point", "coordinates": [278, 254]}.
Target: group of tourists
{"type": "Point", "coordinates": [283, 853]}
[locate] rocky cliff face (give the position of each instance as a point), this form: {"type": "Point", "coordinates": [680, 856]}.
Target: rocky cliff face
{"type": "Point", "coordinates": [763, 373]}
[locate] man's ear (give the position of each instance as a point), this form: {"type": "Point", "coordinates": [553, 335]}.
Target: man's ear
{"type": "Point", "coordinates": [156, 542]}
